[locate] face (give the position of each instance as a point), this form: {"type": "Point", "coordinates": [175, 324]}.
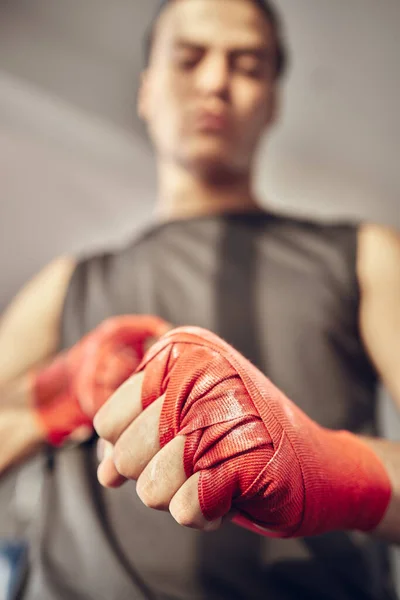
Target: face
{"type": "Point", "coordinates": [209, 91]}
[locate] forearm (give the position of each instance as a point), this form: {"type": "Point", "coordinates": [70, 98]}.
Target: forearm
{"type": "Point", "coordinates": [45, 406]}
{"type": "Point", "coordinates": [65, 394]}
{"type": "Point", "coordinates": [16, 394]}
{"type": "Point", "coordinates": [21, 433]}
{"type": "Point", "coordinates": [389, 454]}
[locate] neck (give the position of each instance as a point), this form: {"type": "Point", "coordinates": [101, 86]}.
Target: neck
{"type": "Point", "coordinates": [183, 194]}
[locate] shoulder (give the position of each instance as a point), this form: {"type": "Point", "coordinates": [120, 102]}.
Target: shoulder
{"type": "Point", "coordinates": [337, 236]}
{"type": "Point", "coordinates": [378, 238]}
{"type": "Point", "coordinates": [328, 227]}
{"type": "Point", "coordinates": [104, 284]}
{"type": "Point", "coordinates": [127, 251]}
{"type": "Point", "coordinates": [378, 254]}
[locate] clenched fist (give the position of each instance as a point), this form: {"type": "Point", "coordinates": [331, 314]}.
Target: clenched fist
{"type": "Point", "coordinates": [205, 434]}
{"type": "Point", "coordinates": [57, 403]}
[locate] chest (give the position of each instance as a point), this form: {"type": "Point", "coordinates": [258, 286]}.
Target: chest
{"type": "Point", "coordinates": [290, 309]}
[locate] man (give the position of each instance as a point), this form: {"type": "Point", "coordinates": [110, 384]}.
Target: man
{"type": "Point", "coordinates": [315, 307]}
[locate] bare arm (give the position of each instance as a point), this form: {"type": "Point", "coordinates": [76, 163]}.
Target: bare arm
{"type": "Point", "coordinates": [29, 328]}
{"type": "Point", "coordinates": [389, 453]}
{"type": "Point", "coordinates": [29, 335]}
{"type": "Point", "coordinates": [379, 277]}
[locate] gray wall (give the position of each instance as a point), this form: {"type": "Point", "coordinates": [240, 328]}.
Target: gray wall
{"type": "Point", "coordinates": [69, 182]}
{"type": "Point", "coordinates": [74, 154]}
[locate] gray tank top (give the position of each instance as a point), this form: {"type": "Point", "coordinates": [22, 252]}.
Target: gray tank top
{"type": "Point", "coordinates": [283, 292]}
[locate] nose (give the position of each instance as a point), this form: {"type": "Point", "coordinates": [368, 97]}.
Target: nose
{"type": "Point", "coordinates": [213, 77]}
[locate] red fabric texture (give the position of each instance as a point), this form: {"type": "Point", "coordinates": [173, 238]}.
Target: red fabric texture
{"type": "Point", "coordinates": [256, 451]}
{"type": "Point", "coordinates": [68, 392]}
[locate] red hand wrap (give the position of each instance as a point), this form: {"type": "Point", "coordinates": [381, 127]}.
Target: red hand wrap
{"type": "Point", "coordinates": [69, 391]}
{"type": "Point", "coordinates": [256, 451]}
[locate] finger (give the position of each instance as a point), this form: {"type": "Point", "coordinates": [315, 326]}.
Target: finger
{"type": "Point", "coordinates": [101, 449]}
{"type": "Point", "coordinates": [139, 443]}
{"type": "Point", "coordinates": [120, 410]}
{"type": "Point", "coordinates": [185, 507]}
{"type": "Point", "coordinates": [163, 476]}
{"type": "Point", "coordinates": [107, 473]}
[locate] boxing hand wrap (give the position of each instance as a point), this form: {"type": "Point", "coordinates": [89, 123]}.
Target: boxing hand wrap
{"type": "Point", "coordinates": [67, 393]}
{"type": "Point", "coordinates": [256, 451]}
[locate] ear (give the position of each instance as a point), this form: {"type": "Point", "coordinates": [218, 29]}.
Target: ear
{"type": "Point", "coordinates": [143, 97]}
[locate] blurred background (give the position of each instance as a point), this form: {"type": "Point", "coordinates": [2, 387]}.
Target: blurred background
{"type": "Point", "coordinates": [76, 171]}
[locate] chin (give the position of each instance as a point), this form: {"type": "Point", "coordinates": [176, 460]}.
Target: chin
{"type": "Point", "coordinates": [212, 161]}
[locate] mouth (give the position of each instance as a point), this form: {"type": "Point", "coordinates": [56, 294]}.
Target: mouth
{"type": "Point", "coordinates": [208, 122]}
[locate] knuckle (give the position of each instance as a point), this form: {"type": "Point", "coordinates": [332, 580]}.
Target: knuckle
{"type": "Point", "coordinates": [149, 496]}
{"type": "Point", "coordinates": [184, 517]}
{"type": "Point", "coordinates": [124, 461]}
{"type": "Point", "coordinates": [101, 425]}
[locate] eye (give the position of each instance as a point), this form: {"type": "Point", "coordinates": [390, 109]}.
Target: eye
{"type": "Point", "coordinates": [249, 65]}
{"type": "Point", "coordinates": [187, 59]}
{"type": "Point", "coordinates": [187, 63]}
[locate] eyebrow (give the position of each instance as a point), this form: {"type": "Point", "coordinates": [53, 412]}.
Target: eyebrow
{"type": "Point", "coordinates": [262, 52]}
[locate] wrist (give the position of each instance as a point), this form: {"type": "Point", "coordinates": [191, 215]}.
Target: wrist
{"type": "Point", "coordinates": [56, 404]}
{"type": "Point", "coordinates": [353, 489]}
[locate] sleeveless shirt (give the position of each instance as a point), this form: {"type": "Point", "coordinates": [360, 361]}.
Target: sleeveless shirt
{"type": "Point", "coordinates": [284, 292]}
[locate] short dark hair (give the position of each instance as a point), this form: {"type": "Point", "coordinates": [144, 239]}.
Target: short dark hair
{"type": "Point", "coordinates": [267, 9]}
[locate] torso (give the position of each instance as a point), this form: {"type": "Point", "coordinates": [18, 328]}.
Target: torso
{"type": "Point", "coordinates": [285, 294]}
